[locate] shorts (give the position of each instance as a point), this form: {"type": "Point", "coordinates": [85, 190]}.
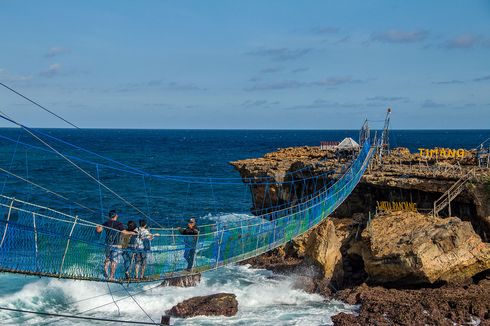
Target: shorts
{"type": "Point", "coordinates": [111, 253]}
{"type": "Point", "coordinates": [141, 257]}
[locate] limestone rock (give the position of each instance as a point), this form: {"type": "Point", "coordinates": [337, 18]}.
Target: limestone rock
{"type": "Point", "coordinates": [323, 247]}
{"type": "Point", "coordinates": [411, 248]}
{"type": "Point", "coordinates": [403, 176]}
{"type": "Point", "coordinates": [220, 304]}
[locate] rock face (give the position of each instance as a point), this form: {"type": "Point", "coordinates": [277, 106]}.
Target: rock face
{"type": "Point", "coordinates": [183, 281]}
{"type": "Point", "coordinates": [431, 267]}
{"type": "Point", "coordinates": [221, 304]}
{"type": "Point", "coordinates": [411, 248]}
{"type": "Point", "coordinates": [321, 246]}
{"type": "Point", "coordinates": [448, 305]}
{"type": "Point", "coordinates": [403, 176]}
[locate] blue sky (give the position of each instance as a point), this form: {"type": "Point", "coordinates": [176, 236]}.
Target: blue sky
{"type": "Point", "coordinates": [247, 64]}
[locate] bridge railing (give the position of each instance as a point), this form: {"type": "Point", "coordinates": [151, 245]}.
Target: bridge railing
{"type": "Point", "coordinates": [40, 241]}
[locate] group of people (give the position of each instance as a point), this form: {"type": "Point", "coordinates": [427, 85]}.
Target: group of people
{"type": "Point", "coordinates": [136, 240]}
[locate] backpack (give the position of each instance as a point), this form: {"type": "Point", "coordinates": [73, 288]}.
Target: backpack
{"type": "Point", "coordinates": [124, 240]}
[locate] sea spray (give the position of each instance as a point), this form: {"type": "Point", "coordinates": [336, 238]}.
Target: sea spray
{"type": "Point", "coordinates": [263, 297]}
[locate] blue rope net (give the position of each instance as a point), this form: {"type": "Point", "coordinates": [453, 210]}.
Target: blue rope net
{"type": "Point", "coordinates": [41, 241]}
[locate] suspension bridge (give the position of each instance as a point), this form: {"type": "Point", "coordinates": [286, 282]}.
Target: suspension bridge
{"type": "Point", "coordinates": [39, 240]}
{"type": "Point", "coordinates": [46, 232]}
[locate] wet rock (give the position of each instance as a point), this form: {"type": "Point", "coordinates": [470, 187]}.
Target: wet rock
{"type": "Point", "coordinates": [304, 283]}
{"type": "Point", "coordinates": [411, 248]}
{"type": "Point", "coordinates": [220, 304]}
{"type": "Point", "coordinates": [277, 260]}
{"type": "Point", "coordinates": [183, 281]}
{"type": "Point", "coordinates": [323, 248]}
{"type": "Point", "coordinates": [448, 305]}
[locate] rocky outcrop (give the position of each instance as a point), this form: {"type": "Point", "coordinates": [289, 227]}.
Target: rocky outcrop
{"type": "Point", "coordinates": [411, 248]}
{"type": "Point", "coordinates": [430, 268]}
{"type": "Point", "coordinates": [321, 246]}
{"type": "Point", "coordinates": [183, 281]}
{"type": "Point", "coordinates": [220, 304]}
{"type": "Point", "coordinates": [467, 304]}
{"type": "Point", "coordinates": [403, 176]}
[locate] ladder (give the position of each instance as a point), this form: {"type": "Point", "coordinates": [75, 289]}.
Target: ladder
{"type": "Point", "coordinates": [445, 200]}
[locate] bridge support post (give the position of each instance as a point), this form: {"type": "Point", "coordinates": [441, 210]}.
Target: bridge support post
{"type": "Point", "coordinates": [219, 248]}
{"type": "Point", "coordinates": [67, 245]}
{"type": "Point", "coordinates": [7, 223]}
{"type": "Point", "coordinates": [35, 231]}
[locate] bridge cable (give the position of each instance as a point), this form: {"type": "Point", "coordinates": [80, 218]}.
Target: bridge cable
{"type": "Point", "coordinates": [11, 161]}
{"type": "Point", "coordinates": [48, 314]}
{"type": "Point", "coordinates": [45, 189]}
{"type": "Point", "coordinates": [110, 303]}
{"type": "Point", "coordinates": [112, 296]}
{"type": "Point", "coordinates": [147, 315]}
{"type": "Point", "coordinates": [39, 105]}
{"type": "Point", "coordinates": [2, 115]}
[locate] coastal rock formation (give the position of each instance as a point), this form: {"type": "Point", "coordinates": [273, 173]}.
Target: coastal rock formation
{"type": "Point", "coordinates": [403, 177]}
{"type": "Point", "coordinates": [448, 305]}
{"type": "Point", "coordinates": [403, 268]}
{"type": "Point", "coordinates": [321, 246]}
{"type": "Point", "coordinates": [411, 248]}
{"type": "Point", "coordinates": [183, 281]}
{"type": "Point", "coordinates": [220, 304]}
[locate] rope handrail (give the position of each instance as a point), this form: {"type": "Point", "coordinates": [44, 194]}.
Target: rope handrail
{"type": "Point", "coordinates": [37, 242]}
{"type": "Point", "coordinates": [281, 232]}
{"type": "Point", "coordinates": [263, 217]}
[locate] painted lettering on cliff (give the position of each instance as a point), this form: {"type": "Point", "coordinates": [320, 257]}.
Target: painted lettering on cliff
{"type": "Point", "coordinates": [442, 153]}
{"type": "Point", "coordinates": [394, 206]}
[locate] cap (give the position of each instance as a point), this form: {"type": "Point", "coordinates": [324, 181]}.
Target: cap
{"type": "Point", "coordinates": [192, 220]}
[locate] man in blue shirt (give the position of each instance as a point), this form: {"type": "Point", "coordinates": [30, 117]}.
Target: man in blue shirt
{"type": "Point", "coordinates": [113, 228]}
{"type": "Point", "coordinates": [190, 242]}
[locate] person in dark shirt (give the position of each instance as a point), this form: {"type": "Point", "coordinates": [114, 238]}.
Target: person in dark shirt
{"type": "Point", "coordinates": [113, 228]}
{"type": "Point", "coordinates": [128, 245]}
{"type": "Point", "coordinates": [190, 242]}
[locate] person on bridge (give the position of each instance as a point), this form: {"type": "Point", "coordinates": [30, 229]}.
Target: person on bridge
{"type": "Point", "coordinates": [190, 242]}
{"type": "Point", "coordinates": [113, 228]}
{"type": "Point", "coordinates": [128, 245]}
{"type": "Point", "coordinates": [143, 245]}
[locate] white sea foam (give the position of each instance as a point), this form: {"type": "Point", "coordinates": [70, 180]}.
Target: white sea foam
{"type": "Point", "coordinates": [264, 298]}
{"type": "Point", "coordinates": [228, 217]}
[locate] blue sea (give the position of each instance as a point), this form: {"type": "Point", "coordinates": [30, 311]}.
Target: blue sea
{"type": "Point", "coordinates": [166, 174]}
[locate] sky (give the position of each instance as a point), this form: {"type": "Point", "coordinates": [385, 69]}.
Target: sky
{"type": "Point", "coordinates": [251, 64]}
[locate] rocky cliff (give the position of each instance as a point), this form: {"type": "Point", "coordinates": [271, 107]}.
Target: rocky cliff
{"type": "Point", "coordinates": [402, 177]}
{"type": "Point", "coordinates": [392, 249]}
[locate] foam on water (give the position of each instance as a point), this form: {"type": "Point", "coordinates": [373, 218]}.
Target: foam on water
{"type": "Point", "coordinates": [263, 297]}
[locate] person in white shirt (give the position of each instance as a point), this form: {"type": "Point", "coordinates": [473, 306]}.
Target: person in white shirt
{"type": "Point", "coordinates": [143, 247]}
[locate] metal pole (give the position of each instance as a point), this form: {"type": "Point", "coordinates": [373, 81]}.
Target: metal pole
{"type": "Point", "coordinates": [35, 230]}
{"type": "Point", "coordinates": [449, 203]}
{"type": "Point", "coordinates": [7, 223]}
{"type": "Point", "coordinates": [67, 245]}
{"type": "Point", "coordinates": [219, 247]}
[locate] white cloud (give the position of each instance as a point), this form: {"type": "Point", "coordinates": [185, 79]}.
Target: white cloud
{"type": "Point", "coordinates": [7, 77]}
{"type": "Point", "coordinates": [55, 51]}
{"type": "Point", "coordinates": [397, 36]}
{"type": "Point", "coordinates": [52, 70]}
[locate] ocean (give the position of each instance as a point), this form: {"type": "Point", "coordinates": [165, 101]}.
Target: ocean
{"type": "Point", "coordinates": [170, 158]}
